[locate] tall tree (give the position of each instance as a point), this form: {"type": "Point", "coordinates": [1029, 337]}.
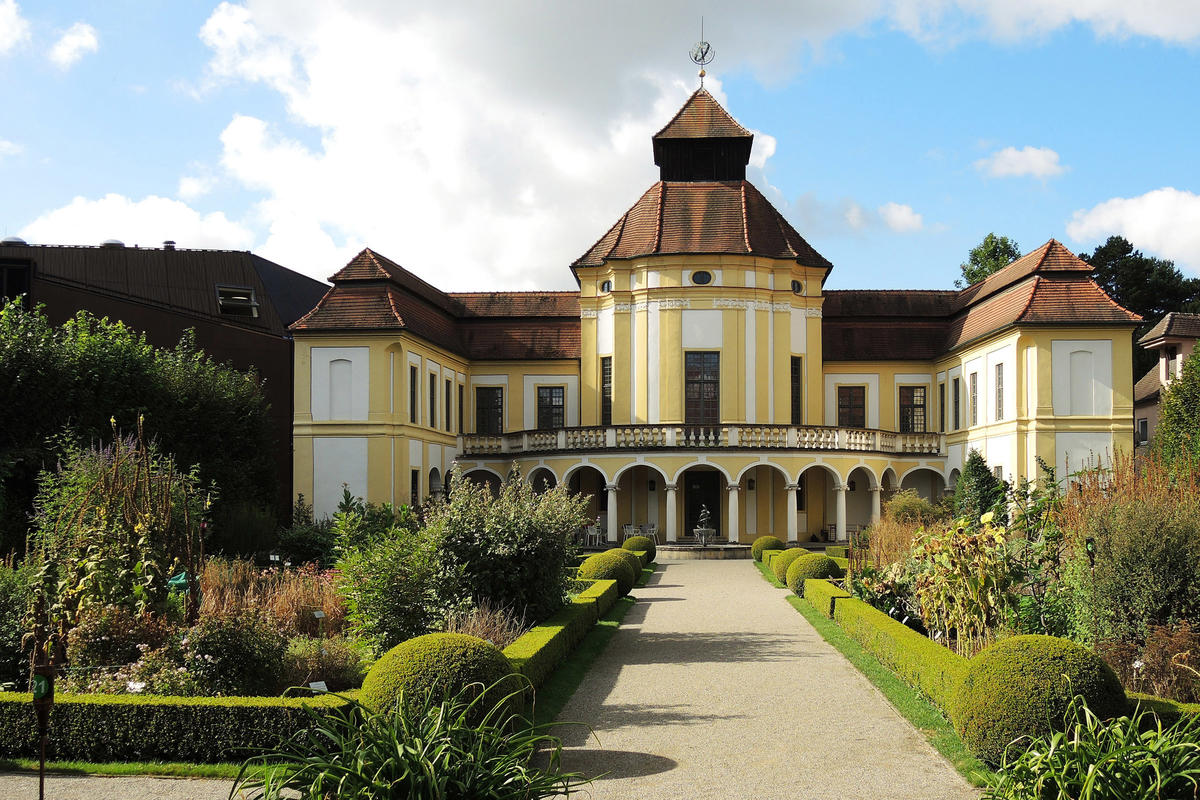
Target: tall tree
{"type": "Point", "coordinates": [1178, 436]}
{"type": "Point", "coordinates": [991, 255]}
{"type": "Point", "coordinates": [1145, 285]}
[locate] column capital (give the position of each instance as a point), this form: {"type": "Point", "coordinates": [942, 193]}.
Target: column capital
{"type": "Point", "coordinates": [876, 488]}
{"type": "Point", "coordinates": [670, 487]}
{"type": "Point", "coordinates": [792, 487]}
{"type": "Point", "coordinates": [610, 487]}
{"type": "Point", "coordinates": [841, 487]}
{"type": "Point", "coordinates": [732, 487]}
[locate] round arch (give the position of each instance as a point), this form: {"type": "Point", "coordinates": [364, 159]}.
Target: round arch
{"type": "Point", "coordinates": [872, 480]}
{"type": "Point", "coordinates": [435, 481]}
{"type": "Point", "coordinates": [837, 479]}
{"type": "Point", "coordinates": [662, 472]}
{"type": "Point", "coordinates": [487, 476]}
{"type": "Point", "coordinates": [574, 469]}
{"type": "Point", "coordinates": [541, 478]}
{"type": "Point", "coordinates": [775, 467]}
{"type": "Point", "coordinates": [952, 481]}
{"type": "Point", "coordinates": [889, 481]}
{"type": "Point", "coordinates": [709, 464]}
{"type": "Point", "coordinates": [927, 481]}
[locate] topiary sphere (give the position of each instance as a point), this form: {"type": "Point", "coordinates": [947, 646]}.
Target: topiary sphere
{"type": "Point", "coordinates": [632, 560]}
{"type": "Point", "coordinates": [610, 566]}
{"type": "Point", "coordinates": [1021, 687]}
{"type": "Point", "coordinates": [444, 663]}
{"type": "Point", "coordinates": [764, 543]}
{"type": "Point", "coordinates": [811, 565]}
{"type": "Point", "coordinates": [636, 543]}
{"type": "Point", "coordinates": [781, 562]}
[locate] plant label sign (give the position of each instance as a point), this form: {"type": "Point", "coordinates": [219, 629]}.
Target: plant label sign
{"type": "Point", "coordinates": [318, 686]}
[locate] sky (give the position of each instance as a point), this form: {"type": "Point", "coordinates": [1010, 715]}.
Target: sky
{"type": "Point", "coordinates": [487, 145]}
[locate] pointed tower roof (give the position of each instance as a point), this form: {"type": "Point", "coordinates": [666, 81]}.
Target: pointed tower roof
{"type": "Point", "coordinates": [702, 117]}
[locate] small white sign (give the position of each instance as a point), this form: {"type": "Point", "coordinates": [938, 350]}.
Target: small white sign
{"type": "Point", "coordinates": [318, 686]}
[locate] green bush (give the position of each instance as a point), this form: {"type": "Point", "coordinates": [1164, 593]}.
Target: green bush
{"type": "Point", "coordinates": [336, 661]}
{"type": "Point", "coordinates": [541, 648]}
{"type": "Point", "coordinates": [113, 635]}
{"type": "Point", "coordinates": [843, 565]}
{"type": "Point", "coordinates": [645, 543]}
{"type": "Point", "coordinates": [765, 543]}
{"type": "Point", "coordinates": [823, 595]}
{"type": "Point", "coordinates": [308, 540]}
{"type": "Point", "coordinates": [14, 599]}
{"type": "Point", "coordinates": [631, 559]}
{"type": "Point", "coordinates": [140, 728]}
{"type": "Point", "coordinates": [439, 663]}
{"type": "Point", "coordinates": [921, 662]}
{"type": "Point", "coordinates": [837, 551]}
{"type": "Point", "coordinates": [239, 654]}
{"type": "Point", "coordinates": [810, 565]}
{"type": "Point", "coordinates": [389, 588]}
{"type": "Point", "coordinates": [1022, 686]}
{"type": "Point", "coordinates": [609, 566]}
{"type": "Point", "coordinates": [783, 559]}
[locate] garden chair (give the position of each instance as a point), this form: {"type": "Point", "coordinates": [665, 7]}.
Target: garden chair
{"type": "Point", "coordinates": [592, 536]}
{"type": "Point", "coordinates": [627, 531]}
{"type": "Point", "coordinates": [651, 532]}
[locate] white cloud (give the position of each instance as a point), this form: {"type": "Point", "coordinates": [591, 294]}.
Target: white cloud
{"type": "Point", "coordinates": [147, 222]}
{"type": "Point", "coordinates": [194, 186]}
{"type": "Point", "coordinates": [1033, 162]}
{"type": "Point", "coordinates": [14, 29]}
{"type": "Point", "coordinates": [900, 218]}
{"type": "Point", "coordinates": [8, 148]}
{"type": "Point", "coordinates": [78, 40]}
{"type": "Point", "coordinates": [1165, 222]}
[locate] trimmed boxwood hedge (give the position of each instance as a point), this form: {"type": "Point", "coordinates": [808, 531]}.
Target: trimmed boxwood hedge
{"type": "Point", "coordinates": [634, 560]}
{"type": "Point", "coordinates": [823, 595]}
{"type": "Point", "coordinates": [541, 648]}
{"type": "Point", "coordinates": [1021, 686]}
{"type": "Point", "coordinates": [610, 566]}
{"type": "Point", "coordinates": [843, 564]}
{"type": "Point", "coordinates": [1168, 711]}
{"type": "Point", "coordinates": [765, 543]}
{"type": "Point", "coordinates": [782, 559]}
{"type": "Point", "coordinates": [124, 727]}
{"type": "Point", "coordinates": [810, 565]}
{"type": "Point", "coordinates": [644, 543]}
{"type": "Point", "coordinates": [836, 551]}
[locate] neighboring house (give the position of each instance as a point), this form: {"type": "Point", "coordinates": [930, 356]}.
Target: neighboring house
{"type": "Point", "coordinates": [1174, 337]}
{"type": "Point", "coordinates": [239, 304]}
{"type": "Point", "coordinates": [702, 363]}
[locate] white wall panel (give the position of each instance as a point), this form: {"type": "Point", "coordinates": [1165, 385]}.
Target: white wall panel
{"type": "Point", "coordinates": [1073, 391]}
{"type": "Point", "coordinates": [337, 460]}
{"type": "Point", "coordinates": [340, 382]}
{"type": "Point", "coordinates": [702, 328]}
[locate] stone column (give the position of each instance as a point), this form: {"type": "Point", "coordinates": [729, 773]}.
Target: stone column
{"type": "Point", "coordinates": [840, 490]}
{"type": "Point", "coordinates": [612, 512]}
{"type": "Point", "coordinates": [671, 523]}
{"type": "Point", "coordinates": [875, 504]}
{"type": "Point", "coordinates": [793, 532]}
{"type": "Point", "coordinates": [732, 533]}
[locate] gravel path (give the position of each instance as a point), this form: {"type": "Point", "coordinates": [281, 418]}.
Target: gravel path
{"type": "Point", "coordinates": [24, 786]}
{"type": "Point", "coordinates": [714, 687]}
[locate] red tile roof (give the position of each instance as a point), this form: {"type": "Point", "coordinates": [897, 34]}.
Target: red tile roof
{"type": "Point", "coordinates": [702, 117]}
{"type": "Point", "coordinates": [708, 217]}
{"type": "Point", "coordinates": [1175, 323]}
{"type": "Point", "coordinates": [1148, 389]}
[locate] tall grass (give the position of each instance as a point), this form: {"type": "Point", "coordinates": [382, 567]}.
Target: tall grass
{"type": "Point", "coordinates": [287, 596]}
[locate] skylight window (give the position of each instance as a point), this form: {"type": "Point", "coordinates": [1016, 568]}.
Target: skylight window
{"type": "Point", "coordinates": [237, 301]}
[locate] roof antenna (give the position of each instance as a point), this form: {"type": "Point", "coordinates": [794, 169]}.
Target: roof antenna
{"type": "Point", "coordinates": [702, 53]}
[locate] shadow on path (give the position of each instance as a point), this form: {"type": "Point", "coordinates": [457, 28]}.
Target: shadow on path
{"type": "Point", "coordinates": [603, 764]}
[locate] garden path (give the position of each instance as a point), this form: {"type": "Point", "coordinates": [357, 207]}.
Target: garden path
{"type": "Point", "coordinates": [714, 687]}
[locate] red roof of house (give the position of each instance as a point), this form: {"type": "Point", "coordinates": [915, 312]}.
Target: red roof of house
{"type": "Point", "coordinates": [702, 117]}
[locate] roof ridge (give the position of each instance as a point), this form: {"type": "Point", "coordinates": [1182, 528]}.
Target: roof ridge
{"type": "Point", "coordinates": [746, 222]}
{"type": "Point", "coordinates": [658, 217]}
{"type": "Point", "coordinates": [392, 304]}
{"type": "Point", "coordinates": [1037, 279]}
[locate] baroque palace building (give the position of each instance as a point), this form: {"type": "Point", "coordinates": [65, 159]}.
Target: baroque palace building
{"type": "Point", "coordinates": [702, 363]}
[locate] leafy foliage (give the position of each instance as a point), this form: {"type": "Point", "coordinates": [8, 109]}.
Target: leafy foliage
{"type": "Point", "coordinates": [308, 540]}
{"type": "Point", "coordinates": [764, 543]}
{"type": "Point", "coordinates": [609, 567]}
{"type": "Point", "coordinates": [1096, 759]}
{"type": "Point", "coordinates": [445, 747]}
{"type": "Point", "coordinates": [91, 370]}
{"type": "Point", "coordinates": [1038, 547]}
{"type": "Point", "coordinates": [988, 257]}
{"type": "Point", "coordinates": [14, 600]}
{"type": "Point", "coordinates": [1177, 439]}
{"type": "Point", "coordinates": [337, 661]}
{"type": "Point", "coordinates": [1145, 285]}
{"type": "Point", "coordinates": [979, 491]}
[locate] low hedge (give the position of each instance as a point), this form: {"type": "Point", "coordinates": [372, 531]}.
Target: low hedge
{"type": "Point", "coordinates": [836, 551]}
{"type": "Point", "coordinates": [610, 566]}
{"type": "Point", "coordinates": [823, 595]}
{"type": "Point", "coordinates": [921, 662]}
{"type": "Point", "coordinates": [782, 559]}
{"type": "Point", "coordinates": [540, 649]}
{"type": "Point", "coordinates": [842, 563]}
{"type": "Point", "coordinates": [130, 727]}
{"type": "Point", "coordinates": [1168, 711]}
{"type": "Point", "coordinates": [636, 543]}
{"type": "Point", "coordinates": [765, 543]}
{"type": "Point", "coordinates": [809, 565]}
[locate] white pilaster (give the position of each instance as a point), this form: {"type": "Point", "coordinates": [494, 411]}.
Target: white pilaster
{"type": "Point", "coordinates": [793, 532]}
{"type": "Point", "coordinates": [732, 533]}
{"type": "Point", "coordinates": [875, 504]}
{"type": "Point", "coordinates": [612, 512]}
{"type": "Point", "coordinates": [840, 490]}
{"type": "Point", "coordinates": [670, 487]}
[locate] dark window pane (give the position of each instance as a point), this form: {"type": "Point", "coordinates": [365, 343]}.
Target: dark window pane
{"type": "Point", "coordinates": [489, 410]}
{"type": "Point", "coordinates": [852, 406]}
{"type": "Point", "coordinates": [413, 380]}
{"type": "Point", "coordinates": [550, 407]}
{"type": "Point", "coordinates": [606, 390]}
{"type": "Point", "coordinates": [797, 390]}
{"type": "Point", "coordinates": [912, 409]}
{"type": "Point", "coordinates": [702, 388]}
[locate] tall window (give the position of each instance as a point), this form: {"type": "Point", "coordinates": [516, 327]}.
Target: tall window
{"type": "Point", "coordinates": [957, 403]}
{"type": "Point", "coordinates": [974, 404]}
{"type": "Point", "coordinates": [415, 488]}
{"type": "Point", "coordinates": [432, 400]}
{"type": "Point", "coordinates": [14, 280]}
{"type": "Point", "coordinates": [460, 408]}
{"type": "Point", "coordinates": [852, 406]}
{"type": "Point", "coordinates": [550, 407]}
{"type": "Point", "coordinates": [449, 400]}
{"type": "Point", "coordinates": [942, 407]}
{"type": "Point", "coordinates": [413, 383]}
{"type": "Point", "coordinates": [999, 392]}
{"type": "Point", "coordinates": [702, 388]}
{"type": "Point", "coordinates": [489, 409]}
{"type": "Point", "coordinates": [606, 390]}
{"type": "Point", "coordinates": [912, 409]}
{"type": "Point", "coordinates": [797, 390]}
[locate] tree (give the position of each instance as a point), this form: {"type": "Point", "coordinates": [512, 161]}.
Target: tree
{"type": "Point", "coordinates": [1148, 286]}
{"type": "Point", "coordinates": [990, 256]}
{"type": "Point", "coordinates": [980, 491]}
{"type": "Point", "coordinates": [1177, 439]}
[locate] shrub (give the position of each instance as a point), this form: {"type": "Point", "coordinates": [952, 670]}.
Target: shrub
{"type": "Point", "coordinates": [113, 635]}
{"type": "Point", "coordinates": [1166, 665]}
{"type": "Point", "coordinates": [516, 550]}
{"type": "Point", "coordinates": [140, 728]}
{"type": "Point", "coordinates": [308, 540]}
{"type": "Point", "coordinates": [438, 664]}
{"type": "Point", "coordinates": [337, 661]}
{"type": "Point", "coordinates": [823, 595]}
{"type": "Point", "coordinates": [811, 565]}
{"type": "Point", "coordinates": [14, 600]}
{"type": "Point", "coordinates": [609, 566]}
{"type": "Point", "coordinates": [909, 508]}
{"type": "Point", "coordinates": [641, 543]}
{"type": "Point", "coordinates": [241, 654]}
{"type": "Point", "coordinates": [540, 649]}
{"type": "Point", "coordinates": [783, 559]}
{"type": "Point", "coordinates": [632, 560]}
{"type": "Point", "coordinates": [1177, 439]}
{"type": "Point", "coordinates": [389, 589]}
{"type": "Point", "coordinates": [1022, 686]}
{"type": "Point", "coordinates": [765, 543]}
{"type": "Point", "coordinates": [979, 491]}
{"type": "Point", "coordinates": [499, 626]}
{"type": "Point", "coordinates": [287, 596]}
{"type": "Point", "coordinates": [466, 750]}
{"type": "Point", "coordinates": [837, 551]}
{"type": "Point", "coordinates": [1094, 759]}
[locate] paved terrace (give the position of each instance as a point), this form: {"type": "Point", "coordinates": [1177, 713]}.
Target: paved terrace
{"type": "Point", "coordinates": [714, 687]}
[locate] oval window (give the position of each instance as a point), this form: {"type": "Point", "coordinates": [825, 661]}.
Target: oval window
{"type": "Point", "coordinates": [606, 287]}
{"type": "Point", "coordinates": [797, 287]}
{"type": "Point", "coordinates": [701, 278]}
